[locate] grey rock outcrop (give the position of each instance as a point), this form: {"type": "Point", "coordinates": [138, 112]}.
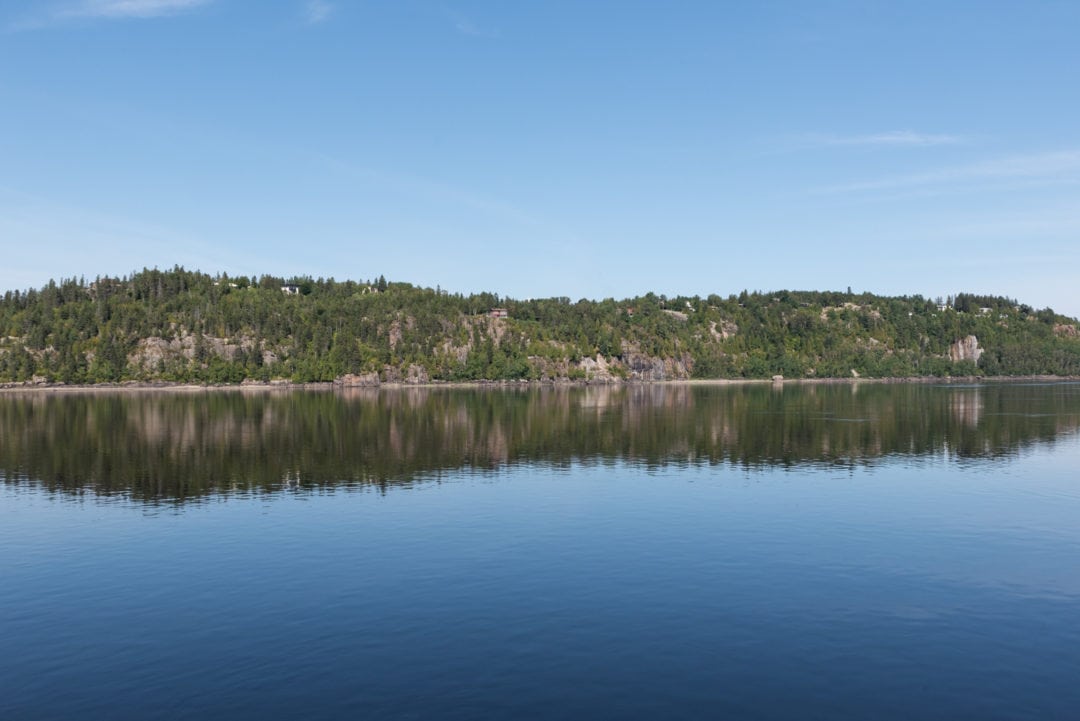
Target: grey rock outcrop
{"type": "Point", "coordinates": [965, 349]}
{"type": "Point", "coordinates": [643, 367]}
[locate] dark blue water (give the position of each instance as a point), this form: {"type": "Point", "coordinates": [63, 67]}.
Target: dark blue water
{"type": "Point", "coordinates": [885, 576]}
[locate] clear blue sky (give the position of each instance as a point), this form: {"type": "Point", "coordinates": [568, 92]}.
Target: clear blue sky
{"type": "Point", "coordinates": [538, 148]}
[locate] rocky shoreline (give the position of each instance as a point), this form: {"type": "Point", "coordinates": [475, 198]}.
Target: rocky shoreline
{"type": "Point", "coordinates": [362, 382]}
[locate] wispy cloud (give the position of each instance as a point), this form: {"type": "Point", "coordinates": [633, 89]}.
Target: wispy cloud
{"type": "Point", "coordinates": [317, 11]}
{"type": "Point", "coordinates": [466, 26]}
{"type": "Point", "coordinates": [1055, 167]}
{"type": "Point", "coordinates": [48, 16]}
{"type": "Point", "coordinates": [895, 138]}
{"type": "Point", "coordinates": [126, 8]}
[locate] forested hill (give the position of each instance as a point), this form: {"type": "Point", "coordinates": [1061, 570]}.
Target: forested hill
{"type": "Point", "coordinates": [180, 325]}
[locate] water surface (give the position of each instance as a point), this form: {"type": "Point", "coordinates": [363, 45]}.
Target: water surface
{"type": "Point", "coordinates": [850, 551]}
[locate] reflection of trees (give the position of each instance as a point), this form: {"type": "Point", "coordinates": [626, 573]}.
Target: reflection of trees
{"type": "Point", "coordinates": [178, 446]}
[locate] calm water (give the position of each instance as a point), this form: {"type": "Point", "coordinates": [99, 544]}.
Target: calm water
{"type": "Point", "coordinates": [827, 552]}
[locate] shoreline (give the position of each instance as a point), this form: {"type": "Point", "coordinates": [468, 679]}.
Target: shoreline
{"type": "Point", "coordinates": [324, 386]}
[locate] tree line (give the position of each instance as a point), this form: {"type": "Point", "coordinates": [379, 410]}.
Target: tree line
{"type": "Point", "coordinates": [188, 326]}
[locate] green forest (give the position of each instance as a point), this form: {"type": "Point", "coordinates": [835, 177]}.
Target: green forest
{"type": "Point", "coordinates": [186, 326]}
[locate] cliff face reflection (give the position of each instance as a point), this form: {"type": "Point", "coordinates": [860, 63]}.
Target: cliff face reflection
{"type": "Point", "coordinates": [176, 446]}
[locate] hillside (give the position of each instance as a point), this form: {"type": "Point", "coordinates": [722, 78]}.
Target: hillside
{"type": "Point", "coordinates": [180, 325]}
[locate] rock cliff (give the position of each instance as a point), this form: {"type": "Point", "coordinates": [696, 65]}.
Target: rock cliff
{"type": "Point", "coordinates": [965, 349]}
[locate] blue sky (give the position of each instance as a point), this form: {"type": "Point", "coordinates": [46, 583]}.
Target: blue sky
{"type": "Point", "coordinates": [538, 148]}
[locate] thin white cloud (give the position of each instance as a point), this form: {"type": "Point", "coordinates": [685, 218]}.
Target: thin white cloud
{"type": "Point", "coordinates": [891, 138]}
{"type": "Point", "coordinates": [103, 10]}
{"type": "Point", "coordinates": [466, 26]}
{"type": "Point", "coordinates": [1056, 167]}
{"type": "Point", "coordinates": [118, 9]}
{"type": "Point", "coordinates": [317, 11]}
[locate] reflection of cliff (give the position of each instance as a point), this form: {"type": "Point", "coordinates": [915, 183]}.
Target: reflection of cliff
{"type": "Point", "coordinates": [967, 406]}
{"type": "Point", "coordinates": [176, 446]}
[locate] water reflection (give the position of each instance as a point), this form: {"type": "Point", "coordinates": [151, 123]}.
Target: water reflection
{"type": "Point", "coordinates": [180, 446]}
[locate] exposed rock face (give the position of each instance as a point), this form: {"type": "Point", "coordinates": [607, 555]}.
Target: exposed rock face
{"type": "Point", "coordinates": [597, 370]}
{"type": "Point", "coordinates": [726, 329]}
{"type": "Point", "coordinates": [632, 365]}
{"type": "Point", "coordinates": [645, 368]}
{"type": "Point", "coordinates": [649, 368]}
{"type": "Point", "coordinates": [416, 374]}
{"type": "Point", "coordinates": [1069, 331]}
{"type": "Point", "coordinates": [458, 353]}
{"type": "Point", "coordinates": [154, 350]}
{"type": "Point", "coordinates": [412, 375]}
{"type": "Point", "coordinates": [496, 329]}
{"type": "Point", "coordinates": [965, 349]}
